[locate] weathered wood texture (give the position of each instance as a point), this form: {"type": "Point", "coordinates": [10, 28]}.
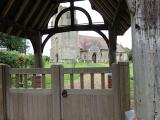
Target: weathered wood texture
{"type": "Point", "coordinates": [124, 85]}
{"type": "Point", "coordinates": [146, 57]}
{"type": "Point", "coordinates": [121, 89]}
{"type": "Point", "coordinates": [56, 79]}
{"type": "Point", "coordinates": [88, 107]}
{"type": "Point", "coordinates": [131, 5]}
{"type": "Point", "coordinates": [87, 104]}
{"type": "Point", "coordinates": [80, 104]}
{"type": "Point", "coordinates": [30, 106]}
{"type": "Point", "coordinates": [4, 72]}
{"type": "Point", "coordinates": [92, 104]}
{"type": "Point", "coordinates": [23, 77]}
{"type": "Point", "coordinates": [30, 103]}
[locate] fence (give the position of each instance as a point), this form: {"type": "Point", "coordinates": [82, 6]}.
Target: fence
{"type": "Point", "coordinates": [35, 94]}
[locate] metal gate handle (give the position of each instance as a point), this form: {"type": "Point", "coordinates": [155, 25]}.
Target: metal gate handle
{"type": "Point", "coordinates": [64, 93]}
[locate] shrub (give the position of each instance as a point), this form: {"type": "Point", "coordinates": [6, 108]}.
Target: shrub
{"type": "Point", "coordinates": [46, 58]}
{"type": "Point", "coordinates": [29, 61]}
{"type": "Point", "coordinates": [16, 60]}
{"type": "Point", "coordinates": [10, 57]}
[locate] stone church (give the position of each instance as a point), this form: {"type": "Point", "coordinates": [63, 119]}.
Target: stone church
{"type": "Point", "coordinates": [64, 46]}
{"type": "Point", "coordinates": [70, 46]}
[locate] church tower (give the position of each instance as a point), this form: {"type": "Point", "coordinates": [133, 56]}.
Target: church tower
{"type": "Point", "coordinates": [64, 46]}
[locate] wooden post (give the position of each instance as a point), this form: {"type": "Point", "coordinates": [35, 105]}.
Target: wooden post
{"type": "Point", "coordinates": [4, 73]}
{"type": "Point", "coordinates": [121, 88]}
{"type": "Point", "coordinates": [124, 83]}
{"type": "Point", "coordinates": [112, 46]}
{"type": "Point", "coordinates": [57, 77]}
{"type": "Point", "coordinates": [116, 92]}
{"type": "Point", "coordinates": [36, 43]}
{"type": "Point", "coordinates": [146, 57]}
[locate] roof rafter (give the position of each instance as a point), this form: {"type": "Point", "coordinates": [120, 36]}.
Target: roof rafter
{"type": "Point", "coordinates": [19, 13]}
{"type": "Point", "coordinates": [7, 7]}
{"type": "Point", "coordinates": [49, 16]}
{"type": "Point", "coordinates": [41, 13]}
{"type": "Point", "coordinates": [30, 14]}
{"type": "Point", "coordinates": [44, 18]}
{"type": "Point", "coordinates": [64, 1]}
{"type": "Point", "coordinates": [119, 8]}
{"type": "Point", "coordinates": [18, 26]}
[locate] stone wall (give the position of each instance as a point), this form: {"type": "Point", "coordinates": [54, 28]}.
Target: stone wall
{"type": "Point", "coordinates": [64, 45]}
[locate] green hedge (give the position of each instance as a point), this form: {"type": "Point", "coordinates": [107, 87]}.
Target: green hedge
{"type": "Point", "coordinates": [10, 58]}
{"type": "Point", "coordinates": [18, 60]}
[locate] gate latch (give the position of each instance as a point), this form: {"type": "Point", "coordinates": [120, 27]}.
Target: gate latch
{"type": "Point", "coordinates": [64, 93]}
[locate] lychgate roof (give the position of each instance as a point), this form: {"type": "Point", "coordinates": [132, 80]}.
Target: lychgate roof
{"type": "Point", "coordinates": [26, 17]}
{"type": "Point", "coordinates": [115, 12]}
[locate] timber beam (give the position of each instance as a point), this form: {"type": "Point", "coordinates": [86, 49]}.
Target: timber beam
{"type": "Point", "coordinates": [119, 8]}
{"type": "Point", "coordinates": [7, 7]}
{"type": "Point", "coordinates": [19, 13]}
{"type": "Point", "coordinates": [75, 28]}
{"type": "Point", "coordinates": [112, 46]}
{"type": "Point", "coordinates": [7, 22]}
{"type": "Point", "coordinates": [64, 1]}
{"type": "Point", "coordinates": [41, 13]}
{"type": "Point", "coordinates": [36, 41]}
{"type": "Point", "coordinates": [33, 9]}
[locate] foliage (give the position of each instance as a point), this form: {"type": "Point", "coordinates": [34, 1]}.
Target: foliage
{"type": "Point", "coordinates": [129, 53]}
{"type": "Point", "coordinates": [46, 58]}
{"type": "Point", "coordinates": [29, 61]}
{"type": "Point", "coordinates": [10, 58]}
{"type": "Point", "coordinates": [131, 81]}
{"type": "Point", "coordinates": [13, 43]}
{"type": "Point", "coordinates": [131, 89]}
{"type": "Point", "coordinates": [18, 60]}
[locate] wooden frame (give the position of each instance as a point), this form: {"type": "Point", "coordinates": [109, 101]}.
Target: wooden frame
{"type": "Point", "coordinates": [14, 99]}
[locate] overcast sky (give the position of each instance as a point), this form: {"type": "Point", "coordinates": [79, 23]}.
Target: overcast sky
{"type": "Point", "coordinates": [124, 40]}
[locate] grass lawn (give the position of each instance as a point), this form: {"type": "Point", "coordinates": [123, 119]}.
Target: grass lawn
{"type": "Point", "coordinates": [131, 81]}
{"type": "Point", "coordinates": [67, 65]}
{"type": "Point", "coordinates": [78, 65]}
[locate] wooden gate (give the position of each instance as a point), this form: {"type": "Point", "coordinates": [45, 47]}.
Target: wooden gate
{"type": "Point", "coordinates": [88, 103]}
{"type": "Point", "coordinates": [65, 99]}
{"type": "Point", "coordinates": [93, 102]}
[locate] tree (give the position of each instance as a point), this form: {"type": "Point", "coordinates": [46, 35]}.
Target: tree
{"type": "Point", "coordinates": [13, 43]}
{"type": "Point", "coordinates": [129, 53]}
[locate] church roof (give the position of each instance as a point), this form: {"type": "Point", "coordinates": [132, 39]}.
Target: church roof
{"type": "Point", "coordinates": [85, 42]}
{"type": "Point", "coordinates": [91, 42]}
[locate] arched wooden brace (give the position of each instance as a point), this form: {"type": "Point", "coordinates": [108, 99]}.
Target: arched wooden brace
{"type": "Point", "coordinates": [104, 37]}
{"type": "Point", "coordinates": [72, 24]}
{"type": "Point", "coordinates": [58, 18]}
{"type": "Point", "coordinates": [45, 41]}
{"type": "Point", "coordinates": [50, 35]}
{"type": "Point", "coordinates": [69, 9]}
